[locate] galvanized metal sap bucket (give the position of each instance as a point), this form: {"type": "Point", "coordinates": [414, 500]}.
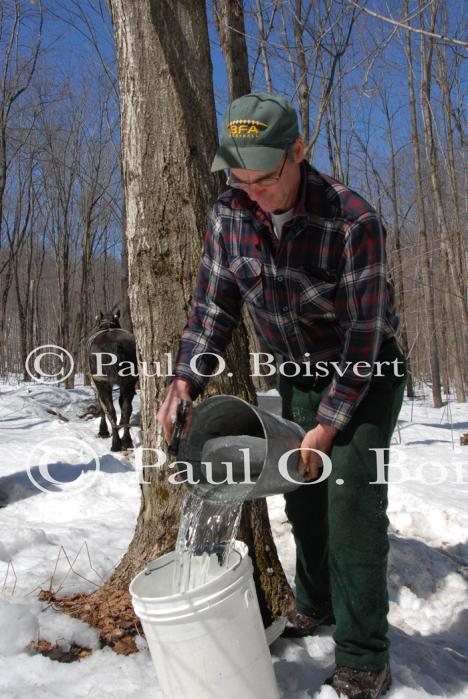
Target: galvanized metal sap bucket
{"type": "Point", "coordinates": [226, 429]}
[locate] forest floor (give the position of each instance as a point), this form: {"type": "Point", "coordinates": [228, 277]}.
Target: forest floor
{"type": "Point", "coordinates": [67, 538]}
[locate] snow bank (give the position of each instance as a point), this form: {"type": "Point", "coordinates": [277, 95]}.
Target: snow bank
{"type": "Point", "coordinates": [72, 539]}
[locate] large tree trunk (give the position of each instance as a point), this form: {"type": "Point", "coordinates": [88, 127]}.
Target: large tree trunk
{"type": "Point", "coordinates": [168, 139]}
{"type": "Point", "coordinates": [168, 132]}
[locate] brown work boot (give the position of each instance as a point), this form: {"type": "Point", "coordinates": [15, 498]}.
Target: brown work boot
{"type": "Point", "coordinates": [360, 684]}
{"type": "Point", "coordinates": [300, 625]}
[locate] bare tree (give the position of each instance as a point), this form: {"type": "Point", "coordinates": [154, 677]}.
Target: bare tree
{"type": "Point", "coordinates": [397, 229]}
{"type": "Point", "coordinates": [92, 22]}
{"type": "Point", "coordinates": [263, 34]}
{"type": "Point", "coordinates": [23, 263]}
{"type": "Point", "coordinates": [17, 72]}
{"type": "Point", "coordinates": [329, 29]}
{"type": "Point", "coordinates": [63, 139]}
{"type": "Point", "coordinates": [427, 52]}
{"type": "Point", "coordinates": [229, 17]}
{"type": "Point", "coordinates": [425, 257]}
{"type": "Point", "coordinates": [95, 184]}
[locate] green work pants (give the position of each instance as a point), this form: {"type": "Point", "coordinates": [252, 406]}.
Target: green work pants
{"type": "Point", "coordinates": [340, 529]}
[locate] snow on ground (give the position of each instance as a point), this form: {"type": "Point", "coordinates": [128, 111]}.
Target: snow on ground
{"type": "Point", "coordinates": [89, 526]}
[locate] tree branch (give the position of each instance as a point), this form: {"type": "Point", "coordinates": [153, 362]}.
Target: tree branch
{"type": "Point", "coordinates": [408, 28]}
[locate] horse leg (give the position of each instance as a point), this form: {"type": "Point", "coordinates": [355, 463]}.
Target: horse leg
{"type": "Point", "coordinates": [106, 398]}
{"type": "Point", "coordinates": [103, 429]}
{"type": "Point", "coordinates": [127, 394]}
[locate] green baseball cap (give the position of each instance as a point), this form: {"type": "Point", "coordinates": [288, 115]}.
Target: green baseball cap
{"type": "Point", "coordinates": [256, 130]}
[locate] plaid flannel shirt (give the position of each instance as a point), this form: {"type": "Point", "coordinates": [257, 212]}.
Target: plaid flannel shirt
{"type": "Point", "coordinates": [319, 293]}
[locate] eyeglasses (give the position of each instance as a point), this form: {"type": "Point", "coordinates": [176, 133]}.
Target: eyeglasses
{"type": "Point", "coordinates": [264, 181]}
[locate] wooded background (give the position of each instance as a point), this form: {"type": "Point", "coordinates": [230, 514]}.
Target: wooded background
{"type": "Point", "coordinates": [107, 131]}
{"type": "Point", "coordinates": [382, 109]}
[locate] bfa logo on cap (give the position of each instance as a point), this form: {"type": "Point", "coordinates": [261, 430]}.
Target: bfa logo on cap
{"type": "Point", "coordinates": [246, 128]}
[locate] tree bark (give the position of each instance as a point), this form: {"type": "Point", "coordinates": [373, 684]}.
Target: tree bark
{"type": "Point", "coordinates": [263, 36]}
{"type": "Point", "coordinates": [168, 134]}
{"type": "Point", "coordinates": [425, 260]}
{"type": "Point", "coordinates": [448, 244]}
{"type": "Point", "coordinates": [303, 86]}
{"type": "Point", "coordinates": [229, 17]}
{"type": "Point", "coordinates": [168, 130]}
{"type": "Point", "coordinates": [399, 284]}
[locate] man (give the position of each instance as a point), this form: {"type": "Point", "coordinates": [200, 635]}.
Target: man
{"type": "Point", "coordinates": [307, 255]}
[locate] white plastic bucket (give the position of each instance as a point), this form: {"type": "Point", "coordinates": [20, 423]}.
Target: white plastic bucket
{"type": "Point", "coordinates": [209, 642]}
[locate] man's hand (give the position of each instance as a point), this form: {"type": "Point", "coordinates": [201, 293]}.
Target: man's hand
{"type": "Point", "coordinates": [321, 438]}
{"type": "Point", "coordinates": [178, 389]}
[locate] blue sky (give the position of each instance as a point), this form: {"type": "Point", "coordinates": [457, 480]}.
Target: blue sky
{"type": "Point", "coordinates": [71, 55]}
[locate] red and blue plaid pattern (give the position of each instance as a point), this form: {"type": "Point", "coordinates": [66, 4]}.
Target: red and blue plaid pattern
{"type": "Point", "coordinates": [320, 293]}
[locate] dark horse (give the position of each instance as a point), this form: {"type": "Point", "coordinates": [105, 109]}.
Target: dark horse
{"type": "Point", "coordinates": [111, 339]}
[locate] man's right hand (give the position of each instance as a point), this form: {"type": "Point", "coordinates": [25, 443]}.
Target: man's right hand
{"type": "Point", "coordinates": [178, 389]}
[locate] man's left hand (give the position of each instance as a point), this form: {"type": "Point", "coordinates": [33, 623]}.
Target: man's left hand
{"type": "Point", "coordinates": [321, 438]}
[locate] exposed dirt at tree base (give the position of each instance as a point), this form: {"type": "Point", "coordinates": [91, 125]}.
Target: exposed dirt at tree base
{"type": "Point", "coordinates": [110, 612]}
{"type": "Point", "coordinates": [67, 653]}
